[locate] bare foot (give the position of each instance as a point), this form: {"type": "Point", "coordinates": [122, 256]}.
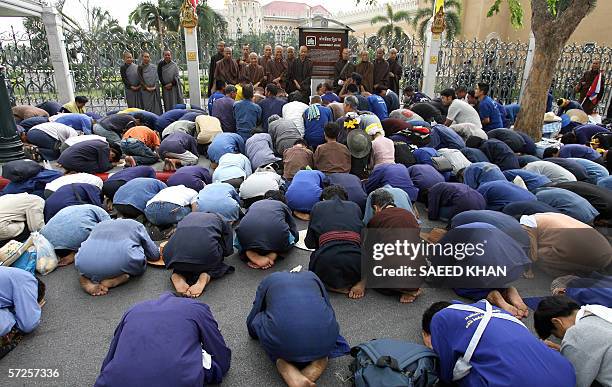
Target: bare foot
{"type": "Point", "coordinates": [291, 375]}
{"type": "Point", "coordinates": [197, 289]}
{"type": "Point", "coordinates": [515, 299]}
{"type": "Point", "coordinates": [301, 215]}
{"type": "Point", "coordinates": [314, 370]}
{"type": "Point", "coordinates": [130, 161]}
{"type": "Point", "coordinates": [495, 298]}
{"type": "Point", "coordinates": [115, 281]}
{"type": "Point", "coordinates": [67, 260]}
{"type": "Point", "coordinates": [529, 274]}
{"type": "Point", "coordinates": [169, 165]}
{"type": "Point", "coordinates": [92, 288]}
{"type": "Point", "coordinates": [409, 297]}
{"type": "Point", "coordinates": [180, 284]}
{"type": "Point", "coordinates": [257, 261]}
{"type": "Point", "coordinates": [358, 290]}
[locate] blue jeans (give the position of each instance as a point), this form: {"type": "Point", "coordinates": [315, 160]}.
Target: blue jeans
{"type": "Point", "coordinates": [139, 151]}
{"type": "Point", "coordinates": [165, 213]}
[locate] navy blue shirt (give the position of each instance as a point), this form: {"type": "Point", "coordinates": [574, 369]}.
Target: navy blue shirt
{"type": "Point", "coordinates": [269, 107]}
{"type": "Point", "coordinates": [488, 109]}
{"type": "Point", "coordinates": [211, 100]}
{"type": "Point", "coordinates": [248, 115]}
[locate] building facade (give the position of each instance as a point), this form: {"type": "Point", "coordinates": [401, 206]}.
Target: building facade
{"type": "Point", "coordinates": [280, 18]}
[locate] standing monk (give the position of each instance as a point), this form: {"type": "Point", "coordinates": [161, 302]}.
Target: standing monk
{"type": "Point", "coordinates": [213, 64]}
{"type": "Point", "coordinates": [244, 60]}
{"type": "Point", "coordinates": [276, 69]}
{"type": "Point", "coordinates": [263, 61]}
{"type": "Point", "coordinates": [290, 60]}
{"type": "Point", "coordinates": [131, 81]}
{"type": "Point", "coordinates": [591, 87]}
{"type": "Point", "coordinates": [169, 76]}
{"type": "Point", "coordinates": [395, 71]}
{"type": "Point", "coordinates": [149, 83]}
{"type": "Point", "coordinates": [302, 72]}
{"type": "Point", "coordinates": [366, 69]}
{"type": "Point", "coordinates": [254, 71]}
{"type": "Point", "coordinates": [342, 70]}
{"type": "Point", "coordinates": [381, 69]}
{"type": "Point", "coordinates": [227, 69]}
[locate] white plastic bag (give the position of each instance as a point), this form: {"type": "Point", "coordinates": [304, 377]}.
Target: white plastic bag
{"type": "Point", "coordinates": [46, 260]}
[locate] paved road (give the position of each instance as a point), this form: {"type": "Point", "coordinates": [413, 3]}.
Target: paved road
{"type": "Point", "coordinates": [76, 329]}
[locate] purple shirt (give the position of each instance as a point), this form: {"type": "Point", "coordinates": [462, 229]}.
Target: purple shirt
{"type": "Point", "coordinates": [178, 143]}
{"type": "Point", "coordinates": [224, 111]}
{"type": "Point", "coordinates": [269, 107]}
{"type": "Point", "coordinates": [194, 177]}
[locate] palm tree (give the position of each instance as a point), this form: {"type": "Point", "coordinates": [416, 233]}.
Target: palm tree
{"type": "Point", "coordinates": [452, 10]}
{"type": "Point", "coordinates": [211, 25]}
{"type": "Point", "coordinates": [161, 17]}
{"type": "Point", "coordinates": [391, 32]}
{"type": "Point", "coordinates": [101, 22]}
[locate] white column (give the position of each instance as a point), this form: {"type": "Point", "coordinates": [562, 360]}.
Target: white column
{"type": "Point", "coordinates": [193, 66]}
{"type": "Point", "coordinates": [430, 62]}
{"type": "Point", "coordinates": [59, 59]}
{"type": "Point", "coordinates": [528, 64]}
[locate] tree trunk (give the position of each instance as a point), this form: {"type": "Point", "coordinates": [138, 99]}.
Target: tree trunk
{"type": "Point", "coordinates": [533, 103]}
{"type": "Point", "coordinates": [551, 34]}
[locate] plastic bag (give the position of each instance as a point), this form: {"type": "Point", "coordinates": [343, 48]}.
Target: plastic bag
{"type": "Point", "coordinates": [27, 261]}
{"type": "Point", "coordinates": [46, 260]}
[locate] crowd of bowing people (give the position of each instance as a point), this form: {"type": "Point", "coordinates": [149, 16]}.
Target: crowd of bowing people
{"type": "Point", "coordinates": [344, 163]}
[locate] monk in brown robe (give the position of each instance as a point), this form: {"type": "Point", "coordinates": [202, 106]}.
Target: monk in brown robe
{"type": "Point", "coordinates": [395, 71]}
{"type": "Point", "coordinates": [342, 69]}
{"type": "Point", "coordinates": [213, 64]}
{"type": "Point", "coordinates": [381, 69]}
{"type": "Point", "coordinates": [302, 72]}
{"type": "Point", "coordinates": [253, 71]}
{"type": "Point", "coordinates": [263, 61]}
{"type": "Point", "coordinates": [366, 69]}
{"type": "Point", "coordinates": [244, 60]}
{"type": "Point", "coordinates": [585, 84]}
{"type": "Point", "coordinates": [290, 59]}
{"type": "Point", "coordinates": [276, 69]}
{"type": "Point", "coordinates": [227, 69]}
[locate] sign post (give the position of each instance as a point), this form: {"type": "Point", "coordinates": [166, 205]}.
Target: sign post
{"type": "Point", "coordinates": [189, 21]}
{"type": "Point", "coordinates": [325, 45]}
{"type": "Point", "coordinates": [432, 50]}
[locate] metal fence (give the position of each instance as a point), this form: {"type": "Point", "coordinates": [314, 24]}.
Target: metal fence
{"type": "Point", "coordinates": [574, 61]}
{"type": "Point", "coordinates": [95, 60]}
{"type": "Point", "coordinates": [500, 64]}
{"type": "Point", "coordinates": [28, 66]}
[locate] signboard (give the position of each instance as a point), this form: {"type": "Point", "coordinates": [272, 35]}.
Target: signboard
{"type": "Point", "coordinates": [324, 49]}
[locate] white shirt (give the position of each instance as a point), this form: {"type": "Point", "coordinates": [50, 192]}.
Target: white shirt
{"type": "Point", "coordinates": [85, 178]}
{"type": "Point", "coordinates": [294, 112]}
{"type": "Point", "coordinates": [87, 137]}
{"type": "Point", "coordinates": [178, 194]}
{"type": "Point", "coordinates": [466, 130]}
{"type": "Point", "coordinates": [58, 131]}
{"type": "Point", "coordinates": [456, 158]}
{"type": "Point", "coordinates": [259, 183]}
{"type": "Point", "coordinates": [461, 112]}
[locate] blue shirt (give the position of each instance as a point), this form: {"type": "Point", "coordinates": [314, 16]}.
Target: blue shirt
{"type": "Point", "coordinates": [532, 180]}
{"type": "Point", "coordinates": [396, 175]}
{"type": "Point", "coordinates": [72, 225]}
{"type": "Point", "coordinates": [504, 348]}
{"type": "Point", "coordinates": [594, 170]}
{"type": "Point", "coordinates": [220, 198]}
{"type": "Point", "coordinates": [77, 121]}
{"type": "Point", "coordinates": [137, 192]}
{"type": "Point", "coordinates": [178, 329]}
{"type": "Point", "coordinates": [478, 173]}
{"type": "Point", "coordinates": [211, 100]}
{"type": "Point", "coordinates": [18, 300]}
{"type": "Point", "coordinates": [292, 317]}
{"type": "Point", "coordinates": [305, 190]}
{"type": "Point", "coordinates": [192, 176]}
{"type": "Point", "coordinates": [330, 97]}
{"type": "Point", "coordinates": [125, 246]}
{"type": "Point", "coordinates": [579, 151]}
{"type": "Point", "coordinates": [128, 174]}
{"type": "Point", "coordinates": [378, 106]}
{"type": "Point", "coordinates": [352, 185]}
{"type": "Point", "coordinates": [400, 199]}
{"type": "Point", "coordinates": [248, 115]}
{"type": "Point", "coordinates": [314, 130]}
{"type": "Point", "coordinates": [488, 109]}
{"type": "Point", "coordinates": [500, 193]}
{"type": "Point", "coordinates": [269, 107]}
{"type": "Point", "coordinates": [224, 143]}
{"type": "Point", "coordinates": [568, 203]}
{"type": "Point", "coordinates": [178, 143]}
{"type": "Point", "coordinates": [224, 111]}
{"type": "Point", "coordinates": [169, 117]}
{"type": "Point", "coordinates": [232, 166]}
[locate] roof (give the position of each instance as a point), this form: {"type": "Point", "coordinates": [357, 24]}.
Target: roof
{"type": "Point", "coordinates": [292, 9]}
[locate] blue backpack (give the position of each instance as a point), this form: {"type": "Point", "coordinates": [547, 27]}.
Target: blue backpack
{"type": "Point", "coordinates": [393, 363]}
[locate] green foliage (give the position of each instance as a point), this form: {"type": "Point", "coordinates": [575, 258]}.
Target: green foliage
{"type": "Point", "coordinates": [555, 8]}
{"type": "Point", "coordinates": [391, 30]}
{"type": "Point", "coordinates": [452, 12]}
